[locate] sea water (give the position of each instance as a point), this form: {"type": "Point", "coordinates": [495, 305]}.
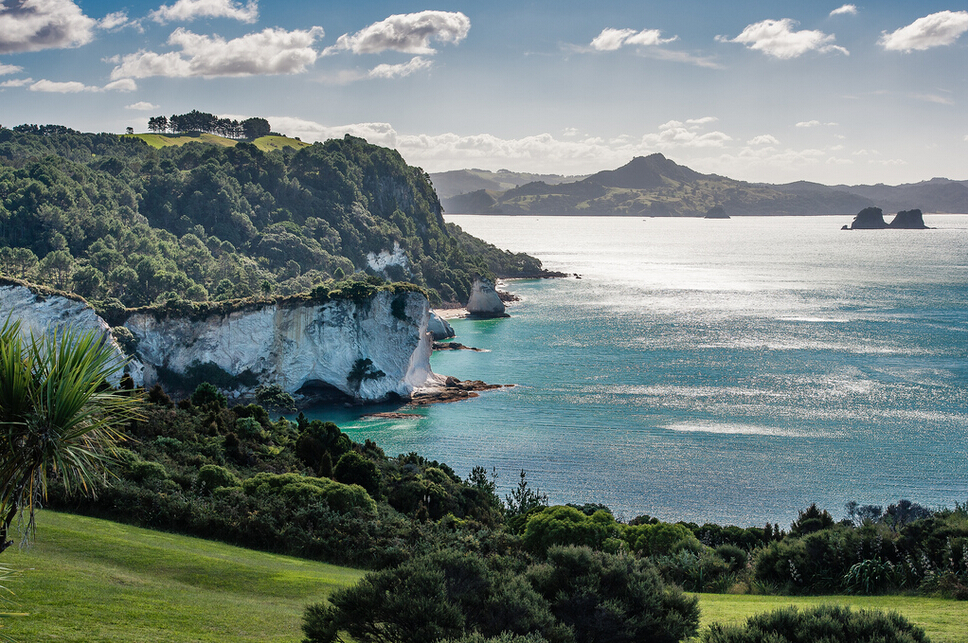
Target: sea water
{"type": "Point", "coordinates": [729, 371]}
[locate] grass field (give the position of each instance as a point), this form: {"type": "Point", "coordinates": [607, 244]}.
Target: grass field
{"type": "Point", "coordinates": [944, 621]}
{"type": "Point", "coordinates": [96, 581]}
{"type": "Point", "coordinates": [264, 143]}
{"type": "Point", "coordinates": [92, 580]}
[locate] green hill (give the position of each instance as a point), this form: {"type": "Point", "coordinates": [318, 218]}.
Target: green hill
{"type": "Point", "coordinates": [95, 581]}
{"type": "Point", "coordinates": [264, 143]}
{"type": "Point", "coordinates": [142, 219]}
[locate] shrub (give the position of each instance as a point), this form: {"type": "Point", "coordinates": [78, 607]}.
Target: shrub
{"type": "Point", "coordinates": [562, 525]}
{"type": "Point", "coordinates": [212, 476]}
{"type": "Point", "coordinates": [827, 623]}
{"type": "Point", "coordinates": [353, 468]}
{"type": "Point", "coordinates": [294, 487]}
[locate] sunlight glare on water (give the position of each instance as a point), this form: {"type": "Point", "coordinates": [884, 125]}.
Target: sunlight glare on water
{"type": "Point", "coordinates": [714, 370]}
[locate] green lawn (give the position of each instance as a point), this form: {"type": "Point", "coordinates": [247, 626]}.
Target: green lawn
{"type": "Point", "coordinates": [944, 621]}
{"type": "Point", "coordinates": [92, 580]}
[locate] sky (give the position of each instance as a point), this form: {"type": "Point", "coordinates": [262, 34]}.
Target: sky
{"type": "Point", "coordinates": [760, 91]}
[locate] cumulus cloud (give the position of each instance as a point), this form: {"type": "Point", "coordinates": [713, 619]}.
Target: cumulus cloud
{"type": "Point", "coordinates": [569, 132]}
{"type": "Point", "coordinates": [846, 10]}
{"type": "Point", "coordinates": [417, 63]}
{"type": "Point", "coordinates": [33, 25]}
{"type": "Point", "coordinates": [18, 82]}
{"type": "Point", "coordinates": [612, 39]}
{"type": "Point", "coordinates": [188, 10]}
{"type": "Point", "coordinates": [115, 21]}
{"type": "Point", "coordinates": [673, 134]}
{"type": "Point", "coordinates": [271, 51]}
{"type": "Point", "coordinates": [75, 87]}
{"type": "Point", "coordinates": [808, 124]}
{"type": "Point", "coordinates": [777, 38]}
{"type": "Point", "coordinates": [409, 33]}
{"type": "Point", "coordinates": [935, 30]}
{"type": "Point", "coordinates": [141, 106]}
{"type": "Point", "coordinates": [9, 69]}
{"type": "Point", "coordinates": [763, 139]}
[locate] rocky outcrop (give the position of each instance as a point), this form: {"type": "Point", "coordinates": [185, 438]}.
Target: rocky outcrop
{"type": "Point", "coordinates": [484, 300]}
{"type": "Point", "coordinates": [909, 220]}
{"type": "Point", "coordinates": [869, 219]}
{"type": "Point", "coordinates": [439, 327]}
{"type": "Point", "coordinates": [369, 350]}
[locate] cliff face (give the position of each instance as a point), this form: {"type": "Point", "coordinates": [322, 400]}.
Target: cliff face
{"type": "Point", "coordinates": [368, 351]}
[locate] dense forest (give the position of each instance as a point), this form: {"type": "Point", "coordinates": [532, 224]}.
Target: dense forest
{"type": "Point", "coordinates": [114, 220]}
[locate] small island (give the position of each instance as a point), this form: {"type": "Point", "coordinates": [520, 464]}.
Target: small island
{"type": "Point", "coordinates": [716, 212]}
{"type": "Point", "coordinates": [873, 219]}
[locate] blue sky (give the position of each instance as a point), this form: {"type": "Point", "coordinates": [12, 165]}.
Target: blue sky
{"type": "Point", "coordinates": [761, 91]}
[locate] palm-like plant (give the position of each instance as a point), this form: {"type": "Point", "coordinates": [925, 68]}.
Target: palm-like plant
{"type": "Point", "coordinates": [58, 416]}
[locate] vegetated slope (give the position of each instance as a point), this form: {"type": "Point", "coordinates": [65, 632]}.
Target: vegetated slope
{"type": "Point", "coordinates": [86, 580]}
{"type": "Point", "coordinates": [656, 186]}
{"type": "Point", "coordinates": [264, 143]}
{"type": "Point", "coordinates": [109, 217]}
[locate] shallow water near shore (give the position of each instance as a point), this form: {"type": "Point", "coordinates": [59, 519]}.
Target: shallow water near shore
{"type": "Point", "coordinates": [728, 371]}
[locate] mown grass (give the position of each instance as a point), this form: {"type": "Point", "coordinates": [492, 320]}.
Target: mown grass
{"type": "Point", "coordinates": [93, 580]}
{"type": "Point", "coordinates": [264, 143]}
{"type": "Point", "coordinates": [944, 621]}
{"type": "Point", "coordinates": [97, 581]}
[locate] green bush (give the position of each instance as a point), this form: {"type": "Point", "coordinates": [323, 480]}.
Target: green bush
{"type": "Point", "coordinates": [212, 476]}
{"type": "Point", "coordinates": [302, 489]}
{"type": "Point", "coordinates": [826, 623]}
{"type": "Point", "coordinates": [562, 525]}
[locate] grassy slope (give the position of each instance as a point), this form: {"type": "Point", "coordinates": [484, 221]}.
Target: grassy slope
{"type": "Point", "coordinates": [96, 581]}
{"type": "Point", "coordinates": [264, 143]}
{"type": "Point", "coordinates": [93, 580]}
{"type": "Point", "coordinates": [944, 621]}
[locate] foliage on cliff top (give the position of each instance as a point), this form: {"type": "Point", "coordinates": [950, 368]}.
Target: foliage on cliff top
{"type": "Point", "coordinates": [111, 218]}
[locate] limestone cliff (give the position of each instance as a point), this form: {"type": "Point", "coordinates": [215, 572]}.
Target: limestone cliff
{"type": "Point", "coordinates": [370, 350]}
{"type": "Point", "coordinates": [484, 300]}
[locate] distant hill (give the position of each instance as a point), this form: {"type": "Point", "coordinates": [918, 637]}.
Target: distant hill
{"type": "Point", "coordinates": [657, 186]}
{"type": "Point", "coordinates": [454, 182]}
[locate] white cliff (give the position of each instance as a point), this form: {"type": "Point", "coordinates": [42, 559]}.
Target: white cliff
{"type": "Point", "coordinates": [290, 343]}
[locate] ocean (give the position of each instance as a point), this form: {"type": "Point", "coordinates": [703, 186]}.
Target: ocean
{"type": "Point", "coordinates": [729, 371]}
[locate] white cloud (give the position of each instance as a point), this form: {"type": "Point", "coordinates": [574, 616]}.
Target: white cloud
{"type": "Point", "coordinates": [935, 30]}
{"type": "Point", "coordinates": [9, 69]}
{"type": "Point", "coordinates": [188, 10]}
{"type": "Point", "coordinates": [611, 39]}
{"type": "Point", "coordinates": [75, 87]}
{"type": "Point", "coordinates": [659, 53]}
{"type": "Point", "coordinates": [18, 82]}
{"type": "Point", "coordinates": [674, 134]}
{"type": "Point", "coordinates": [847, 9]}
{"type": "Point", "coordinates": [569, 132]}
{"type": "Point", "coordinates": [705, 120]}
{"type": "Point", "coordinates": [69, 87]}
{"type": "Point", "coordinates": [808, 124]}
{"type": "Point", "coordinates": [417, 63]}
{"type": "Point", "coordinates": [763, 139]}
{"type": "Point", "coordinates": [409, 33]}
{"type": "Point", "coordinates": [33, 25]}
{"type": "Point", "coordinates": [141, 106]}
{"type": "Point", "coordinates": [115, 21]}
{"type": "Point", "coordinates": [271, 51]}
{"type": "Point", "coordinates": [778, 39]}
{"type": "Point", "coordinates": [934, 98]}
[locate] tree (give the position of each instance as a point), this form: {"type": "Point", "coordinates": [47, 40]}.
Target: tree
{"type": "Point", "coordinates": [58, 416]}
{"type": "Point", "coordinates": [17, 262]}
{"type": "Point", "coordinates": [253, 128]}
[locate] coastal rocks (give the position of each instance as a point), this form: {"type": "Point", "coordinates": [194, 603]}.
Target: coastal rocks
{"type": "Point", "coordinates": [716, 212]}
{"type": "Point", "coordinates": [868, 219]}
{"type": "Point", "coordinates": [439, 327]}
{"type": "Point", "coordinates": [454, 390]}
{"type": "Point", "coordinates": [484, 301]}
{"type": "Point", "coordinates": [873, 219]}
{"type": "Point", "coordinates": [909, 220]}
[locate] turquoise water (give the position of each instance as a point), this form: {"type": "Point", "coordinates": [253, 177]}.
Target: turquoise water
{"type": "Point", "coordinates": [729, 371]}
